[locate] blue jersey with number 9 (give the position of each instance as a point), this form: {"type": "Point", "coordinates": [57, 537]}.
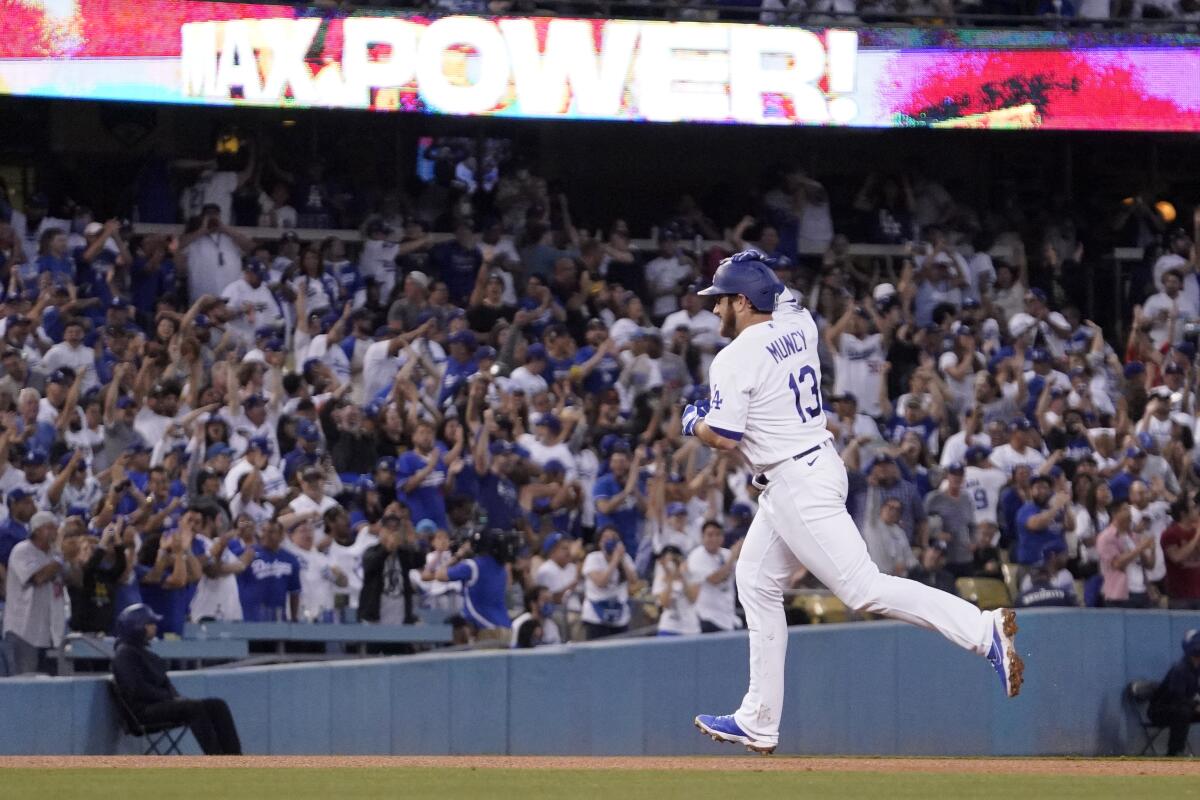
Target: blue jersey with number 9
{"type": "Point", "coordinates": [765, 388]}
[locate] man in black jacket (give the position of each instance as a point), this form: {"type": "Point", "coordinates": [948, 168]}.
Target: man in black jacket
{"type": "Point", "coordinates": [387, 591]}
{"type": "Point", "coordinates": [101, 567]}
{"type": "Point", "coordinates": [142, 678]}
{"type": "Point", "coordinates": [1176, 702]}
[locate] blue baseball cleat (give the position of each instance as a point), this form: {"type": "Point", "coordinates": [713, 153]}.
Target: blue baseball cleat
{"type": "Point", "coordinates": [1003, 654]}
{"type": "Point", "coordinates": [725, 729]}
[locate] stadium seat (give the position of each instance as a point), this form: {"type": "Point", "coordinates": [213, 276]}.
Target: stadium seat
{"type": "Point", "coordinates": [822, 608]}
{"type": "Point", "coordinates": [987, 593]}
{"type": "Point", "coordinates": [1012, 578]}
{"type": "Point", "coordinates": [1137, 696]}
{"type": "Point", "coordinates": [162, 739]}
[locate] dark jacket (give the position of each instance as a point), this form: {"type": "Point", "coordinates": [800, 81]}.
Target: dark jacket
{"type": "Point", "coordinates": [92, 602]}
{"type": "Point", "coordinates": [374, 560]}
{"type": "Point", "coordinates": [141, 675]}
{"type": "Point", "coordinates": [1179, 687]}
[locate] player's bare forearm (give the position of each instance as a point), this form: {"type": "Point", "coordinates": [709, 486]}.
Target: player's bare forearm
{"type": "Point", "coordinates": [713, 439]}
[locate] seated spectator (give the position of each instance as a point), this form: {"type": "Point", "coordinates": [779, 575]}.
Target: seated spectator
{"type": "Point", "coordinates": [536, 626]}
{"type": "Point", "coordinates": [931, 569]}
{"type": "Point", "coordinates": [887, 543]}
{"type": "Point", "coordinates": [142, 679]}
{"type": "Point", "coordinates": [35, 606]}
{"type": "Point", "coordinates": [712, 567]}
{"type": "Point", "coordinates": [609, 572]}
{"type": "Point", "coordinates": [1176, 703]}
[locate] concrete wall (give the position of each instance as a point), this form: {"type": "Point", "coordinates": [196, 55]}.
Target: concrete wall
{"type": "Point", "coordinates": [866, 688]}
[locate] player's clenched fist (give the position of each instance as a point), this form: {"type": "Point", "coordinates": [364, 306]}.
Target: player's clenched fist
{"type": "Point", "coordinates": [693, 413]}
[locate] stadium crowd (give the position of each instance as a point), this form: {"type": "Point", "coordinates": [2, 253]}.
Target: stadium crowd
{"type": "Point", "coordinates": [487, 424]}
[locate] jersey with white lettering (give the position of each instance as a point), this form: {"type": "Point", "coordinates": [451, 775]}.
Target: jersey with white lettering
{"type": "Point", "coordinates": [858, 369]}
{"type": "Point", "coordinates": [765, 388]}
{"type": "Point", "coordinates": [983, 486]}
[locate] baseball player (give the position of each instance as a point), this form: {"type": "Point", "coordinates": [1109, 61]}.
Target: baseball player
{"type": "Point", "coordinates": [765, 400]}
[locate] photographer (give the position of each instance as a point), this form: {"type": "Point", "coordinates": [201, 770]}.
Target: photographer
{"type": "Point", "coordinates": [101, 566]}
{"type": "Point", "coordinates": [483, 565]}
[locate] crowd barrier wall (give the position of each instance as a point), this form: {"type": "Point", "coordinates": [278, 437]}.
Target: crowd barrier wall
{"type": "Point", "coordinates": [877, 688]}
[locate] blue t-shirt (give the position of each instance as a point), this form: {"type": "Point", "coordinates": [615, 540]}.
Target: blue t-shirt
{"type": "Point", "coordinates": [150, 285]}
{"type": "Point", "coordinates": [425, 501]}
{"type": "Point", "coordinates": [12, 533]}
{"type": "Point", "coordinates": [264, 586]}
{"type": "Point", "coordinates": [457, 373]}
{"type": "Point", "coordinates": [604, 376]}
{"type": "Point", "coordinates": [558, 369]}
{"type": "Point", "coordinates": [485, 584]}
{"type": "Point", "coordinates": [496, 494]}
{"type": "Point", "coordinates": [62, 270]}
{"type": "Point", "coordinates": [1031, 544]}
{"type": "Point", "coordinates": [457, 266]}
{"type": "Point", "coordinates": [626, 519]}
{"type": "Point", "coordinates": [172, 604]}
{"type": "Point", "coordinates": [1119, 485]}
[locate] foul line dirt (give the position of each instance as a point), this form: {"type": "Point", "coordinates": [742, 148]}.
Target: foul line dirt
{"type": "Point", "coordinates": [1000, 766]}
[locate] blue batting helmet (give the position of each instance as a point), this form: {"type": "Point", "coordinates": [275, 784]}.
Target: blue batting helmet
{"type": "Point", "coordinates": [747, 273]}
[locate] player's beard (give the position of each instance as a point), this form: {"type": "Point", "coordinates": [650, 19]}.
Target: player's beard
{"type": "Point", "coordinates": [728, 320]}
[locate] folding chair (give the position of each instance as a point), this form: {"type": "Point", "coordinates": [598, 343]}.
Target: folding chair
{"type": "Point", "coordinates": [1137, 696]}
{"type": "Point", "coordinates": [162, 738]}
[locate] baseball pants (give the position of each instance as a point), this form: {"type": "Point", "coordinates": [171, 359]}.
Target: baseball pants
{"type": "Point", "coordinates": [802, 520]}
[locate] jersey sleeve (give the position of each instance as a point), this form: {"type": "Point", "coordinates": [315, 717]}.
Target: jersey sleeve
{"type": "Point", "coordinates": [464, 571]}
{"type": "Point", "coordinates": [729, 398]}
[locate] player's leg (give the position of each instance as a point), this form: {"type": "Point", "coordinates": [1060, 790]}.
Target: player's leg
{"type": "Point", "coordinates": [824, 537]}
{"type": "Point", "coordinates": [763, 569]}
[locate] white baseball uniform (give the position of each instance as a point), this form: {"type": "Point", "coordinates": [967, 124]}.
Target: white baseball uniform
{"type": "Point", "coordinates": [765, 394]}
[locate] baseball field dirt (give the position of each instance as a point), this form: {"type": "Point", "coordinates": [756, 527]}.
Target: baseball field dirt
{"type": "Point", "coordinates": [333, 778]}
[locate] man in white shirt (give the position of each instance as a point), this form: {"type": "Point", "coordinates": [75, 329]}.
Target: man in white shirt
{"type": "Point", "coordinates": [559, 573]}
{"type": "Point", "coordinates": [668, 274]}
{"type": "Point", "coordinates": [378, 259]}
{"type": "Point", "coordinates": [1018, 451]}
{"type": "Point", "coordinates": [712, 566]}
{"type": "Point", "coordinates": [312, 502]}
{"type": "Point", "coordinates": [1150, 517]}
{"type": "Point", "coordinates": [704, 325]}
{"type": "Point", "coordinates": [35, 614]}
{"type": "Point", "coordinates": [530, 377]}
{"type": "Point", "coordinates": [225, 557]}
{"type": "Point", "coordinates": [251, 304]}
{"type": "Point", "coordinates": [1163, 307]}
{"type": "Point", "coordinates": [213, 254]}
{"type": "Point", "coordinates": [72, 353]}
{"type": "Point", "coordinates": [544, 446]}
{"type": "Point", "coordinates": [859, 356]}
{"type": "Point", "coordinates": [257, 457]}
{"type": "Point", "coordinates": [319, 576]}
{"type": "Point", "coordinates": [158, 413]}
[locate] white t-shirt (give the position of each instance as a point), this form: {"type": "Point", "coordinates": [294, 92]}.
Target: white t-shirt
{"type": "Point", "coordinates": [216, 598]}
{"type": "Point", "coordinates": [765, 388]}
{"type": "Point", "coordinates": [1006, 458]}
{"type": "Point", "coordinates": [273, 483]}
{"type": "Point", "coordinates": [305, 503]}
{"type": "Point", "coordinates": [213, 262]}
{"type": "Point", "coordinates": [264, 309]}
{"type": "Point", "coordinates": [378, 261]}
{"type": "Point", "coordinates": [556, 579]}
{"type": "Point", "coordinates": [955, 448]}
{"type": "Point", "coordinates": [663, 275]}
{"type": "Point", "coordinates": [1157, 517]}
{"type": "Point", "coordinates": [316, 581]}
{"type": "Point", "coordinates": [615, 592]}
{"type": "Point", "coordinates": [983, 486]}
{"type": "Point", "coordinates": [541, 454]}
{"type": "Point", "coordinates": [348, 558]}
{"type": "Point", "coordinates": [705, 326]}
{"type": "Point", "coordinates": [211, 187]}
{"type": "Point", "coordinates": [79, 359]}
{"type": "Point", "coordinates": [550, 634]}
{"type": "Point", "coordinates": [857, 364]}
{"type": "Point", "coordinates": [529, 382]}
{"type": "Point", "coordinates": [151, 426]}
{"type": "Point", "coordinates": [679, 615]}
{"type": "Point", "coordinates": [716, 602]}
{"type": "Point", "coordinates": [1156, 309]}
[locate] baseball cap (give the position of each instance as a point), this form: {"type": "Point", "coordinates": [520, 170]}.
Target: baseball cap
{"type": "Point", "coordinates": [676, 508]}
{"type": "Point", "coordinates": [883, 291]}
{"type": "Point", "coordinates": [260, 443]}
{"type": "Point", "coordinates": [955, 468]}
{"type": "Point", "coordinates": [33, 457]}
{"type": "Point", "coordinates": [550, 421]}
{"type": "Point", "coordinates": [1174, 368]}
{"type": "Point", "coordinates": [92, 228]}
{"type": "Point", "coordinates": [1035, 294]}
{"type": "Point", "coordinates": [254, 400]}
{"type": "Point", "coordinates": [61, 375]}
{"type": "Point", "coordinates": [485, 351]}
{"type": "Point", "coordinates": [118, 304]}
{"type": "Point", "coordinates": [217, 450]}
{"type": "Point", "coordinates": [499, 447]}
{"type": "Point", "coordinates": [977, 451]}
{"type": "Point", "coordinates": [550, 541]}
{"type": "Point", "coordinates": [273, 346]}
{"type": "Point", "coordinates": [970, 302]}
{"type": "Point", "coordinates": [535, 351]}
{"type": "Point", "coordinates": [1134, 368]}
{"type": "Point", "coordinates": [42, 518]}
{"type": "Point", "coordinates": [553, 467]}
{"type": "Point", "coordinates": [1020, 424]}
{"type": "Point", "coordinates": [1146, 441]}
{"type": "Point", "coordinates": [201, 321]}
{"type": "Point", "coordinates": [426, 527]}
{"type": "Point", "coordinates": [741, 510]}
{"type": "Point", "coordinates": [307, 431]}
{"type": "Point", "coordinates": [418, 277]}
{"type": "Point", "coordinates": [461, 337]}
{"type": "Point", "coordinates": [595, 323]}
{"type": "Point", "coordinates": [1038, 354]}
{"type": "Point", "coordinates": [1134, 452]}
{"type": "Point", "coordinates": [385, 462]}
{"type": "Point", "coordinates": [311, 473]}
{"type": "Point", "coordinates": [18, 494]}
{"type": "Point", "coordinates": [255, 266]}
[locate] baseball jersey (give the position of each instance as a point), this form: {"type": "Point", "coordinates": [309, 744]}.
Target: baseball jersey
{"type": "Point", "coordinates": [765, 388]}
{"type": "Point", "coordinates": [858, 370]}
{"type": "Point", "coordinates": [983, 487]}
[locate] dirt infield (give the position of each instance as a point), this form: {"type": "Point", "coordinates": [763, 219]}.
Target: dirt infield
{"type": "Point", "coordinates": [994, 766]}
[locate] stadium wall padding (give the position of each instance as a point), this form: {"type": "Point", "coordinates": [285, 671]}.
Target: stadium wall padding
{"type": "Point", "coordinates": [876, 688]}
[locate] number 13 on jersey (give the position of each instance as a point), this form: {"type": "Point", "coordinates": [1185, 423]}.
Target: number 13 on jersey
{"type": "Point", "coordinates": [807, 388]}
